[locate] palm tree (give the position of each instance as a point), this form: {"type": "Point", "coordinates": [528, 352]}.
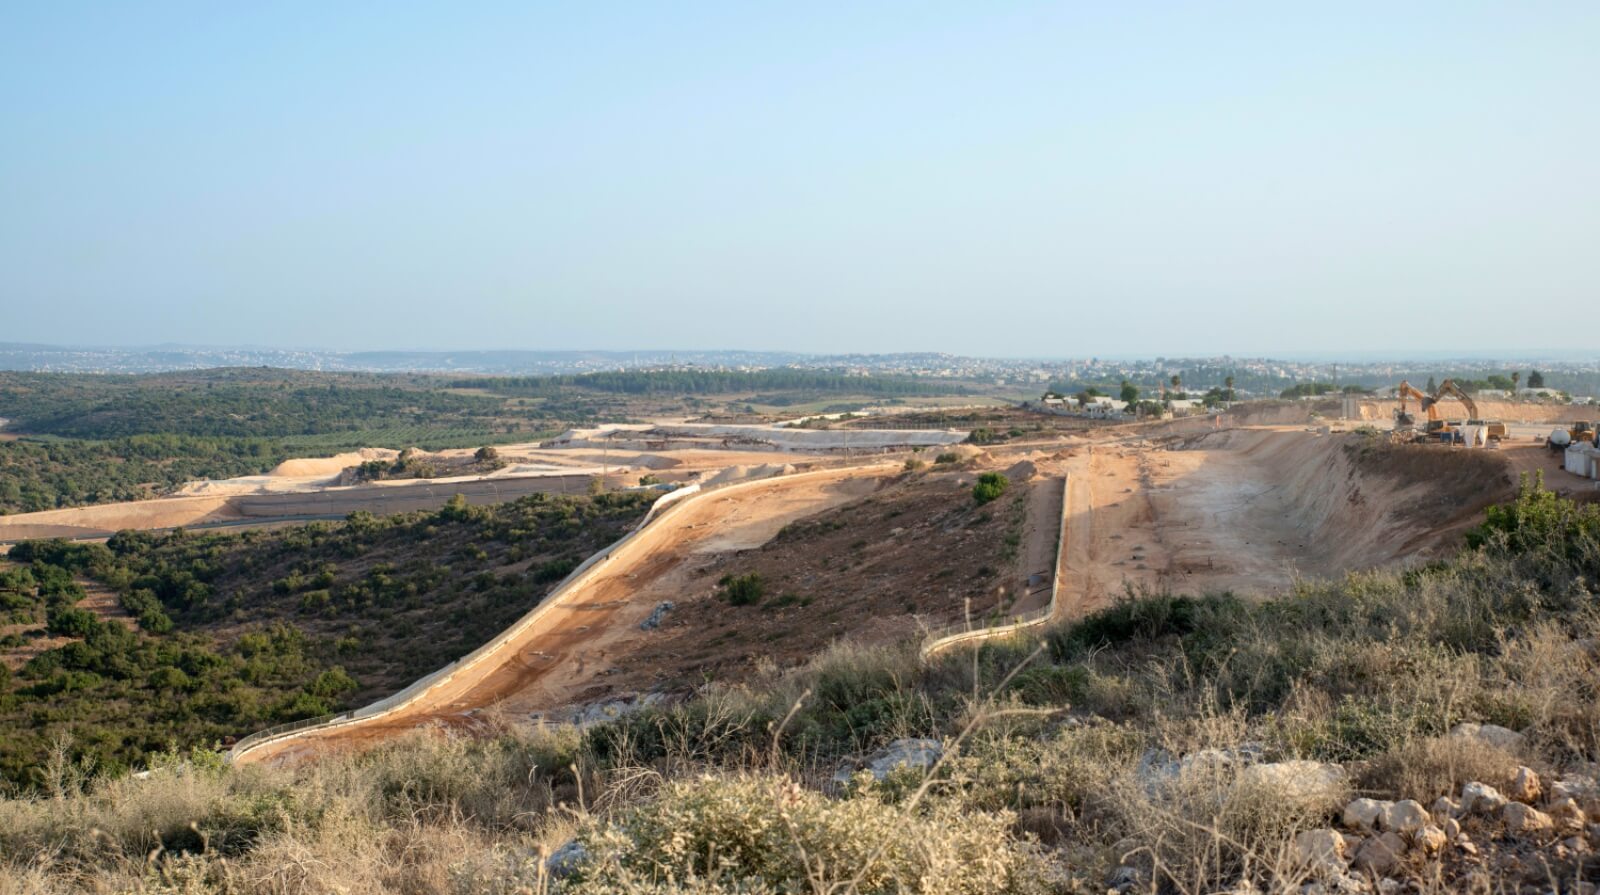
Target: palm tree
{"type": "Point", "coordinates": [1228, 384]}
{"type": "Point", "coordinates": [1516, 377]}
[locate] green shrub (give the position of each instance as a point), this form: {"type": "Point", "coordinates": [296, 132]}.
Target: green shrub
{"type": "Point", "coordinates": [743, 590]}
{"type": "Point", "coordinates": [70, 621]}
{"type": "Point", "coordinates": [989, 487]}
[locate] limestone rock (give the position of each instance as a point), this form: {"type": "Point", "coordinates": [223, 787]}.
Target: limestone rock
{"type": "Point", "coordinates": [1322, 852]}
{"type": "Point", "coordinates": [1213, 759]}
{"type": "Point", "coordinates": [1380, 854]}
{"type": "Point", "coordinates": [919, 754]}
{"type": "Point", "coordinates": [1525, 820]}
{"type": "Point", "coordinates": [1586, 792]}
{"type": "Point", "coordinates": [1481, 798]}
{"type": "Point", "coordinates": [1363, 814]}
{"type": "Point", "coordinates": [1525, 786]}
{"type": "Point", "coordinates": [1568, 816]}
{"type": "Point", "coordinates": [1404, 817]}
{"type": "Point", "coordinates": [1430, 840]}
{"type": "Point", "coordinates": [1445, 807]}
{"type": "Point", "coordinates": [1490, 734]}
{"type": "Point", "coordinates": [1311, 785]}
{"type": "Point", "coordinates": [1452, 829]}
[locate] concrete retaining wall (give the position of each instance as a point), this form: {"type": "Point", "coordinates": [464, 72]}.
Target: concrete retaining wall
{"type": "Point", "coordinates": [667, 505]}
{"type": "Point", "coordinates": [941, 642]}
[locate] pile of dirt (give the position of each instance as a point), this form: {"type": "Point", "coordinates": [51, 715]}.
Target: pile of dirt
{"type": "Point", "coordinates": [1382, 410]}
{"type": "Point", "coordinates": [310, 467]}
{"type": "Point", "coordinates": [967, 453]}
{"type": "Point", "coordinates": [741, 473]}
{"type": "Point", "coordinates": [1021, 471]}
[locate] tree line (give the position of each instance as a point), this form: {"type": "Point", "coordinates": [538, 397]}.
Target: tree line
{"type": "Point", "coordinates": [709, 382]}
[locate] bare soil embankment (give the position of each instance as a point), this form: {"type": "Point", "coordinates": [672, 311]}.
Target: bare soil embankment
{"type": "Point", "coordinates": [1507, 411]}
{"type": "Point", "coordinates": [553, 659]}
{"type": "Point", "coordinates": [1249, 510]}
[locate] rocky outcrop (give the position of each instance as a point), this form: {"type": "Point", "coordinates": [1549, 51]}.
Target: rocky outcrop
{"type": "Point", "coordinates": [1490, 735]}
{"type": "Point", "coordinates": [917, 754]}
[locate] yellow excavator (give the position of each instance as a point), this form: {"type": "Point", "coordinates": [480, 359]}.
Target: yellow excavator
{"type": "Point", "coordinates": [1403, 419]}
{"type": "Point", "coordinates": [1451, 430]}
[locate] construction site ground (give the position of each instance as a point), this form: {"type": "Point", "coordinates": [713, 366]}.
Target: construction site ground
{"type": "Point", "coordinates": [1246, 503]}
{"type": "Point", "coordinates": [881, 556]}
{"type": "Point", "coordinates": [559, 655]}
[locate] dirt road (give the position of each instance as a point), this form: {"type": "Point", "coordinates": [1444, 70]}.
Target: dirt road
{"type": "Point", "coordinates": [553, 657]}
{"type": "Point", "coordinates": [1041, 536]}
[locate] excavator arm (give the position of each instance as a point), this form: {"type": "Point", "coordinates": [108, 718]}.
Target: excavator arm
{"type": "Point", "coordinates": [1448, 388]}
{"type": "Point", "coordinates": [1407, 390]}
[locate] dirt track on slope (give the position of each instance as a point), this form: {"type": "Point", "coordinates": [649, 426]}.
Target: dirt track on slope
{"type": "Point", "coordinates": [554, 658]}
{"type": "Point", "coordinates": [1188, 510]}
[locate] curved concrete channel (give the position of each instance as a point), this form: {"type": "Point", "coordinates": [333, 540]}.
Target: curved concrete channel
{"type": "Point", "coordinates": [537, 657]}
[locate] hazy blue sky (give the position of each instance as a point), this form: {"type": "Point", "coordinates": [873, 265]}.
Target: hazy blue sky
{"type": "Point", "coordinates": [985, 178]}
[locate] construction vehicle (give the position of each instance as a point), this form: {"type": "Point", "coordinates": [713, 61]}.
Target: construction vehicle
{"type": "Point", "coordinates": [1576, 432]}
{"type": "Point", "coordinates": [1402, 418]}
{"type": "Point", "coordinates": [1450, 430]}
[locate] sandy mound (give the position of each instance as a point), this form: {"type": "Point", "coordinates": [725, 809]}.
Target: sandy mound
{"type": "Point", "coordinates": [1382, 411]}
{"type": "Point", "coordinates": [965, 452]}
{"type": "Point", "coordinates": [1022, 472]}
{"type": "Point", "coordinates": [740, 473]}
{"type": "Point", "coordinates": [329, 466]}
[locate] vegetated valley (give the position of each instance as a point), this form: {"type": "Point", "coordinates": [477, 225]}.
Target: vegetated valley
{"type": "Point", "coordinates": [75, 439]}
{"type": "Point", "coordinates": [206, 636]}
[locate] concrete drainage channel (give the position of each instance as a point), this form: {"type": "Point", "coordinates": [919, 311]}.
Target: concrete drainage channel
{"type": "Point", "coordinates": [942, 641]}
{"type": "Point", "coordinates": [667, 505]}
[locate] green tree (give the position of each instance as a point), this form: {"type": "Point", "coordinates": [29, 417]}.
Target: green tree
{"type": "Point", "coordinates": [1535, 379]}
{"type": "Point", "coordinates": [990, 486]}
{"type": "Point", "coordinates": [1130, 392]}
{"type": "Point", "coordinates": [169, 678]}
{"type": "Point", "coordinates": [1432, 386]}
{"type": "Point", "coordinates": [743, 590]}
{"type": "Point", "coordinates": [70, 621]}
{"type": "Point", "coordinates": [1227, 384]}
{"type": "Point", "coordinates": [1516, 379]}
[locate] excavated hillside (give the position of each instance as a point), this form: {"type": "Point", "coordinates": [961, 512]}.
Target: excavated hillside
{"type": "Point", "coordinates": [1249, 510]}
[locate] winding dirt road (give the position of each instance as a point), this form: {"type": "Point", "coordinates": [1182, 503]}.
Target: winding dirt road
{"type": "Point", "coordinates": [552, 655]}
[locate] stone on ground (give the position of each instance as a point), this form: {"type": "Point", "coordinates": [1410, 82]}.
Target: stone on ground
{"type": "Point", "coordinates": [1490, 734]}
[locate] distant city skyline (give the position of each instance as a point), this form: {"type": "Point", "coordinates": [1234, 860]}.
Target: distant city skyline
{"type": "Point", "coordinates": [1019, 180]}
{"type": "Point", "coordinates": [171, 356]}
